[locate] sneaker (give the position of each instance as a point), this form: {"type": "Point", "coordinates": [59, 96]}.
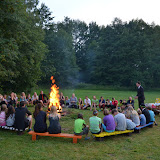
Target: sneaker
{"type": "Point", "coordinates": [156, 124]}
{"type": "Point", "coordinates": [87, 138]}
{"type": "Point", "coordinates": [29, 130]}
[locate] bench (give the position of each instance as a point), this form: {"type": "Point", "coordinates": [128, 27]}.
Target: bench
{"type": "Point", "coordinates": [104, 134]}
{"type": "Point", "coordinates": [137, 129]}
{"type": "Point", "coordinates": [65, 135]}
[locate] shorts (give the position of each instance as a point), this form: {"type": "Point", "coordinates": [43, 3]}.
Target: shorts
{"type": "Point", "coordinates": [85, 131]}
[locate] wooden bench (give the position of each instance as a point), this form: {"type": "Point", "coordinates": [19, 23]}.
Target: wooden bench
{"type": "Point", "coordinates": [104, 134]}
{"type": "Point", "coordinates": [137, 129]}
{"type": "Point", "coordinates": [65, 135]}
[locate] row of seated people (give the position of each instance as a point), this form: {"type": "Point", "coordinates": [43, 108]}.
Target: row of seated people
{"type": "Point", "coordinates": [121, 121]}
{"type": "Point", "coordinates": [101, 103]}
{"type": "Point", "coordinates": [13, 99]}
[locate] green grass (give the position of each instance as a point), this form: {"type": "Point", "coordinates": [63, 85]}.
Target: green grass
{"type": "Point", "coordinates": [138, 146]}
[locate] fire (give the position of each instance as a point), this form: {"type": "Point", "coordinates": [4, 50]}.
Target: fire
{"type": "Point", "coordinates": [54, 96]}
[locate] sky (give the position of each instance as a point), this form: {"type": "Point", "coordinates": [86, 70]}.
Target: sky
{"type": "Point", "coordinates": [103, 12]}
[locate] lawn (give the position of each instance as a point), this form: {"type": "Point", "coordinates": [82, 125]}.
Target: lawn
{"type": "Point", "coordinates": [138, 146]}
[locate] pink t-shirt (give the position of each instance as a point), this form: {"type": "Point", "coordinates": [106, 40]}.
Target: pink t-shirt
{"type": "Point", "coordinates": [2, 118]}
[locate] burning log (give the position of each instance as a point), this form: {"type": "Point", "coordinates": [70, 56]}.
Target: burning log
{"type": "Point", "coordinates": [54, 97]}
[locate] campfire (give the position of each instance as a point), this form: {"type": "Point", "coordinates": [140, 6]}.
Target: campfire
{"type": "Point", "coordinates": [54, 97]}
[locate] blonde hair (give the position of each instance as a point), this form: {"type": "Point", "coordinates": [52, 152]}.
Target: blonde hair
{"type": "Point", "coordinates": [132, 111]}
{"type": "Point", "coordinates": [106, 112]}
{"type": "Point", "coordinates": [53, 112]}
{"type": "Point", "coordinates": [139, 111]}
{"type": "Point", "coordinates": [4, 108]}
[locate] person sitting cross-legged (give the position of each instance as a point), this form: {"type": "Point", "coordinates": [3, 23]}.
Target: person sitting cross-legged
{"type": "Point", "coordinates": [21, 121]}
{"type": "Point", "coordinates": [43, 99]}
{"type": "Point", "coordinates": [94, 103]}
{"type": "Point", "coordinates": [95, 123]}
{"type": "Point", "coordinates": [101, 103]}
{"type": "Point", "coordinates": [108, 122]}
{"type": "Point", "coordinates": [73, 102]}
{"type": "Point", "coordinates": [120, 120]}
{"type": "Point", "coordinates": [87, 103]}
{"type": "Point", "coordinates": [80, 127]}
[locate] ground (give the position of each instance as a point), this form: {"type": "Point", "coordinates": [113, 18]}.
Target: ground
{"type": "Point", "coordinates": [144, 145]}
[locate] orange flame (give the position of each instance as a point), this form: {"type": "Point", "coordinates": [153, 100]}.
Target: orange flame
{"type": "Point", "coordinates": [54, 96]}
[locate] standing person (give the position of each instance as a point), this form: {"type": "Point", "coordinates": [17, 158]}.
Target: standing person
{"type": "Point", "coordinates": [54, 126]}
{"type": "Point", "coordinates": [40, 125]}
{"type": "Point", "coordinates": [87, 103]}
{"type": "Point", "coordinates": [140, 94]}
{"type": "Point", "coordinates": [73, 101]}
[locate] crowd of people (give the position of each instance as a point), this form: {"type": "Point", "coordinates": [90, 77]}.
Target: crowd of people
{"type": "Point", "coordinates": [117, 115]}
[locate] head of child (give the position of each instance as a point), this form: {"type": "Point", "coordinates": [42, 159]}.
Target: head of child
{"type": "Point", "coordinates": [94, 97]}
{"type": "Point", "coordinates": [80, 116]}
{"type": "Point", "coordinates": [53, 110]}
{"type": "Point", "coordinates": [38, 108]}
{"type": "Point", "coordinates": [3, 108]}
{"type": "Point", "coordinates": [11, 110]}
{"type": "Point", "coordinates": [22, 104]}
{"type": "Point", "coordinates": [80, 99]}
{"type": "Point", "coordinates": [95, 113]}
{"type": "Point", "coordinates": [143, 106]}
{"type": "Point", "coordinates": [66, 97]}
{"type": "Point", "coordinates": [113, 99]}
{"type": "Point", "coordinates": [106, 112]}
{"type": "Point", "coordinates": [120, 101]}
{"type": "Point", "coordinates": [114, 112]}
{"type": "Point", "coordinates": [149, 107]}
{"type": "Point", "coordinates": [130, 108]}
{"type": "Point", "coordinates": [86, 97]}
{"type": "Point", "coordinates": [22, 94]}
{"type": "Point", "coordinates": [139, 111]}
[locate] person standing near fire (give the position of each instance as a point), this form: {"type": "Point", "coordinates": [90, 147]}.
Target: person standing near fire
{"type": "Point", "coordinates": [140, 94]}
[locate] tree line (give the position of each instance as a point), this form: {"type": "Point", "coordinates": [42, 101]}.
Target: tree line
{"type": "Point", "coordinates": [33, 48]}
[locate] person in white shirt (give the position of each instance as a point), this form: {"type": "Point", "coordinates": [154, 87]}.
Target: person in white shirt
{"type": "Point", "coordinates": [87, 103]}
{"type": "Point", "coordinates": [34, 98]}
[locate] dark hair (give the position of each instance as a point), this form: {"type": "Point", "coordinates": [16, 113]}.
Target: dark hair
{"type": "Point", "coordinates": [80, 115]}
{"type": "Point", "coordinates": [37, 110]}
{"type": "Point", "coordinates": [114, 110]}
{"type": "Point", "coordinates": [120, 100]}
{"type": "Point", "coordinates": [138, 82]}
{"type": "Point", "coordinates": [22, 103]}
{"type": "Point", "coordinates": [10, 111]}
{"type": "Point", "coordinates": [95, 112]}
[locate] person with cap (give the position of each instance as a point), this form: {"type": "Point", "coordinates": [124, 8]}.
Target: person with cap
{"type": "Point", "coordinates": [95, 123]}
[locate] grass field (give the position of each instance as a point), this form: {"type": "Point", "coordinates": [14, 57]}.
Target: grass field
{"type": "Point", "coordinates": [145, 145]}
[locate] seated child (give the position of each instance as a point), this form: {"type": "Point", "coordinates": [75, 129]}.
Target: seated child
{"type": "Point", "coordinates": [109, 123]}
{"type": "Point", "coordinates": [29, 99]}
{"type": "Point", "coordinates": [130, 125]}
{"type": "Point", "coordinates": [40, 125]}
{"type": "Point", "coordinates": [130, 112]}
{"type": "Point", "coordinates": [10, 116]}
{"type": "Point", "coordinates": [80, 127]}
{"type": "Point", "coordinates": [67, 101]}
{"type": "Point", "coordinates": [146, 113]}
{"type": "Point", "coordinates": [120, 120]}
{"type": "Point", "coordinates": [3, 115]}
{"type": "Point", "coordinates": [23, 118]}
{"type": "Point", "coordinates": [102, 103]}
{"type": "Point", "coordinates": [80, 103]}
{"type": "Point", "coordinates": [95, 123]}
{"type": "Point", "coordinates": [94, 103]}
{"type": "Point", "coordinates": [141, 117]}
{"type": "Point", "coordinates": [54, 126]}
{"type": "Point", "coordinates": [87, 103]}
{"type": "Point", "coordinates": [152, 115]}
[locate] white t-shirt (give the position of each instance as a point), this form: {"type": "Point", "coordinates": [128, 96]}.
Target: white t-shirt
{"type": "Point", "coordinates": [34, 98]}
{"type": "Point", "coordinates": [87, 101]}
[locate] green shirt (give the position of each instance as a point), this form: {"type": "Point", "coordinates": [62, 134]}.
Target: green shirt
{"type": "Point", "coordinates": [94, 124]}
{"type": "Point", "coordinates": [78, 125]}
{"type": "Point", "coordinates": [95, 101]}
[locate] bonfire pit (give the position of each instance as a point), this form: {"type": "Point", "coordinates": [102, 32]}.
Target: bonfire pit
{"type": "Point", "coordinates": [54, 97]}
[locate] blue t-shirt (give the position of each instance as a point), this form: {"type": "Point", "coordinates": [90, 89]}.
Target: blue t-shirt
{"type": "Point", "coordinates": [152, 115]}
{"type": "Point", "coordinates": [142, 119]}
{"type": "Point", "coordinates": [102, 101]}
